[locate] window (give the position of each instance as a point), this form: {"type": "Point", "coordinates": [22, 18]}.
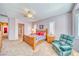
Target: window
{"type": "Point", "coordinates": [76, 23]}
{"type": "Point", "coordinates": [34, 29]}
{"type": "Point", "coordinates": [35, 26]}
{"type": "Point", "coordinates": [52, 28]}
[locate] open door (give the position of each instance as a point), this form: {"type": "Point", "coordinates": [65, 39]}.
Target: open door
{"type": "Point", "coordinates": [0, 37]}
{"type": "Point", "coordinates": [0, 40]}
{"type": "Point", "coordinates": [20, 31]}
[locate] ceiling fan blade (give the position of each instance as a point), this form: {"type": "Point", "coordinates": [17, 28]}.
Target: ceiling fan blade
{"type": "Point", "coordinates": [3, 15]}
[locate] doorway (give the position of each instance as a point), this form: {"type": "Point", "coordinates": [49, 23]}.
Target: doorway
{"type": "Point", "coordinates": [4, 30]}
{"type": "Point", "coordinates": [20, 32]}
{"type": "Point", "coordinates": [0, 37]}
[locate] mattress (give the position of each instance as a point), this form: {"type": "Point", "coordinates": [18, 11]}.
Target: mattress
{"type": "Point", "coordinates": [39, 37]}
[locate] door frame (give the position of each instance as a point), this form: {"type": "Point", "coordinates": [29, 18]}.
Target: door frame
{"type": "Point", "coordinates": [4, 35]}
{"type": "Point", "coordinates": [23, 31]}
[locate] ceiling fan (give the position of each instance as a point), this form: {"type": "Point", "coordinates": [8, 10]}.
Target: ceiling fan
{"type": "Point", "coordinates": [29, 13]}
{"type": "Point", "coordinates": [3, 15]}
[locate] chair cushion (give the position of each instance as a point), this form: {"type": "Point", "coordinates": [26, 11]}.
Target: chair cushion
{"type": "Point", "coordinates": [66, 53]}
{"type": "Point", "coordinates": [69, 42]}
{"type": "Point", "coordinates": [65, 47]}
{"type": "Point", "coordinates": [70, 38]}
{"type": "Point", "coordinates": [57, 46]}
{"type": "Point", "coordinates": [63, 36]}
{"type": "Point", "coordinates": [62, 42]}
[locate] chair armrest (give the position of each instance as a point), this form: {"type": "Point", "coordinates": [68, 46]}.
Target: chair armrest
{"type": "Point", "coordinates": [65, 47]}
{"type": "Point", "coordinates": [56, 41]}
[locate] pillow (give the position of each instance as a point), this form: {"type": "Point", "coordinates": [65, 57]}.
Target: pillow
{"type": "Point", "coordinates": [65, 47]}
{"type": "Point", "coordinates": [70, 38]}
{"type": "Point", "coordinates": [63, 42]}
{"type": "Point", "coordinates": [40, 33]}
{"type": "Point", "coordinates": [37, 33]}
{"type": "Point", "coordinates": [69, 42]}
{"type": "Point", "coordinates": [63, 36]}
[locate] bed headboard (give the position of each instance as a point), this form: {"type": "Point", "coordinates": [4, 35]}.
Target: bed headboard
{"type": "Point", "coordinates": [42, 30]}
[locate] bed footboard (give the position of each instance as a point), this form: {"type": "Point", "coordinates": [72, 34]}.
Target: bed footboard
{"type": "Point", "coordinates": [30, 40]}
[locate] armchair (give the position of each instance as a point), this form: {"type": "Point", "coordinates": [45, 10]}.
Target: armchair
{"type": "Point", "coordinates": [64, 45]}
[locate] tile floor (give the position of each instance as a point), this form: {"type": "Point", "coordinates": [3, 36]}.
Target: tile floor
{"type": "Point", "coordinates": [16, 48]}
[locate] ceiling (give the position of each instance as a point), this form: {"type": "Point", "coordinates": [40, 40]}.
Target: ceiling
{"type": "Point", "coordinates": [42, 10]}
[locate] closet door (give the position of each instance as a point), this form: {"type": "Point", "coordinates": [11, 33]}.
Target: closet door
{"type": "Point", "coordinates": [20, 31]}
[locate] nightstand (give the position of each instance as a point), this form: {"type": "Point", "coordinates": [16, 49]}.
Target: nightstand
{"type": "Point", "coordinates": [50, 38]}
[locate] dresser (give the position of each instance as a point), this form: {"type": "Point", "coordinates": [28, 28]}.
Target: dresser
{"type": "Point", "coordinates": [50, 38]}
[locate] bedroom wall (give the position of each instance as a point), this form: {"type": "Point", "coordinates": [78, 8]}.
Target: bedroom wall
{"type": "Point", "coordinates": [62, 23]}
{"type": "Point", "coordinates": [76, 41]}
{"type": "Point", "coordinates": [13, 28]}
{"type": "Point", "coordinates": [27, 26]}
{"type": "Point", "coordinates": [11, 24]}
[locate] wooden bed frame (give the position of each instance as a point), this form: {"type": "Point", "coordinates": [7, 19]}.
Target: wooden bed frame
{"type": "Point", "coordinates": [32, 40]}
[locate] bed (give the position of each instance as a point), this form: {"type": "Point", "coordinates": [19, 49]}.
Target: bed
{"type": "Point", "coordinates": [37, 38]}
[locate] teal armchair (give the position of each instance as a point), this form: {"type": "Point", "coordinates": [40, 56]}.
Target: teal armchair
{"type": "Point", "coordinates": [64, 45]}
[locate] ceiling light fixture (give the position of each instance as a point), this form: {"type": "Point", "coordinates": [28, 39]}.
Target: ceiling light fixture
{"type": "Point", "coordinates": [28, 13]}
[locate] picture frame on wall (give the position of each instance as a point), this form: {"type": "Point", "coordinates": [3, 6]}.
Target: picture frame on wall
{"type": "Point", "coordinates": [41, 26]}
{"type": "Point", "coordinates": [5, 29]}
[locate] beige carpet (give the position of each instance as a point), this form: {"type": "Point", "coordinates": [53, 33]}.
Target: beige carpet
{"type": "Point", "coordinates": [16, 48]}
